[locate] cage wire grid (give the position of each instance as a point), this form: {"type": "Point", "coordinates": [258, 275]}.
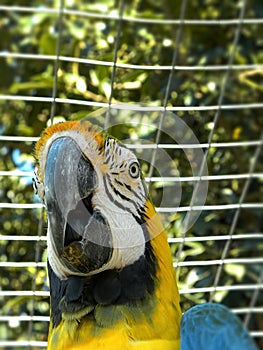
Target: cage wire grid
{"type": "Point", "coordinates": [182, 242]}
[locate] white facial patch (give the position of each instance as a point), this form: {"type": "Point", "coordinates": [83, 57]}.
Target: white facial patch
{"type": "Point", "coordinates": [127, 238]}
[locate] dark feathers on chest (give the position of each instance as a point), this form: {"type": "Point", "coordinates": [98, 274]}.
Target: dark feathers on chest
{"type": "Point", "coordinates": [112, 287]}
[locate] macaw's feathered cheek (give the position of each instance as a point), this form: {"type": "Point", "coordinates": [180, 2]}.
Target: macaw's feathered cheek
{"type": "Point", "coordinates": [80, 237]}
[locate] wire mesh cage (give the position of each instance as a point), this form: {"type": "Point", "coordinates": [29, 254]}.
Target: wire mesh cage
{"type": "Point", "coordinates": [180, 84]}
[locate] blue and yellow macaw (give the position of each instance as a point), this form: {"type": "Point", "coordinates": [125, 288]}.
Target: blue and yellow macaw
{"type": "Point", "coordinates": [112, 282]}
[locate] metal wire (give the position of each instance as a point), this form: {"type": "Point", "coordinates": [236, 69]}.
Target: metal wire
{"type": "Point", "coordinates": [170, 240]}
{"type": "Point", "coordinates": [237, 214]}
{"type": "Point", "coordinates": [205, 22]}
{"type": "Point", "coordinates": [238, 287]}
{"type": "Point", "coordinates": [184, 263]}
{"type": "Point", "coordinates": [23, 293]}
{"type": "Point", "coordinates": [21, 343]}
{"type": "Point", "coordinates": [94, 62]}
{"type": "Point", "coordinates": [159, 209]}
{"type": "Point", "coordinates": [215, 120]}
{"type": "Point", "coordinates": [151, 146]}
{"type": "Point", "coordinates": [253, 301]}
{"type": "Point", "coordinates": [53, 100]}
{"type": "Point", "coordinates": [115, 57]}
{"type": "Point", "coordinates": [168, 87]}
{"type": "Point", "coordinates": [132, 107]}
{"type": "Point", "coordinates": [57, 60]}
{"type": "Point", "coordinates": [163, 179]}
{"type": "Point", "coordinates": [37, 264]}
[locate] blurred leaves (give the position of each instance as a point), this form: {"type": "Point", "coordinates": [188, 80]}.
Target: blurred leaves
{"type": "Point", "coordinates": [153, 44]}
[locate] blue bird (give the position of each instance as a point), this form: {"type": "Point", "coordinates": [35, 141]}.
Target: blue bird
{"type": "Point", "coordinates": [213, 326]}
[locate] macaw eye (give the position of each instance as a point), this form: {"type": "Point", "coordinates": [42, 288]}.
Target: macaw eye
{"type": "Point", "coordinates": [134, 170]}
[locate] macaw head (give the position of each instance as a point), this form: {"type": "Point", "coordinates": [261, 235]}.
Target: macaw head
{"type": "Point", "coordinates": [97, 204]}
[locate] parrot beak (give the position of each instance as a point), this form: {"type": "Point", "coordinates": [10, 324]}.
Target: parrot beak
{"type": "Point", "coordinates": [80, 236]}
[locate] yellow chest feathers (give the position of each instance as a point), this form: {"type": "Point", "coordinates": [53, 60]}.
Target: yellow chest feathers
{"type": "Point", "coordinates": [145, 314]}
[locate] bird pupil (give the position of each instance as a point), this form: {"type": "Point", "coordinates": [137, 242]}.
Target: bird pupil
{"type": "Point", "coordinates": [134, 170]}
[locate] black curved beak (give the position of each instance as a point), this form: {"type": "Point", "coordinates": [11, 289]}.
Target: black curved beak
{"type": "Point", "coordinates": [80, 235]}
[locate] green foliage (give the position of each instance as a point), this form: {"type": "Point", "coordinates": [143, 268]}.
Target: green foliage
{"type": "Point", "coordinates": [140, 44]}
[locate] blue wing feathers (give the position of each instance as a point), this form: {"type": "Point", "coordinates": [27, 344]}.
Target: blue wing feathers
{"type": "Point", "coordinates": [213, 326]}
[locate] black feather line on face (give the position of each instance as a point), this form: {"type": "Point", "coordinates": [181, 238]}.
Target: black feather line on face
{"type": "Point", "coordinates": [108, 183]}
{"type": "Point", "coordinates": [112, 287]}
{"type": "Point", "coordinates": [141, 215]}
{"type": "Point", "coordinates": [129, 188]}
